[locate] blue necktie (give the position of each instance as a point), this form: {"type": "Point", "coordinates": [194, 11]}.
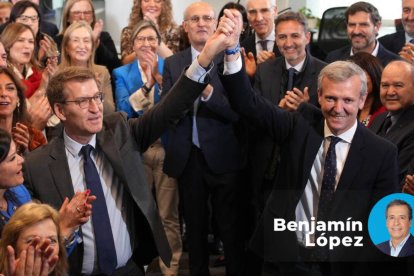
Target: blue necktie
{"type": "Point", "coordinates": [292, 72]}
{"type": "Point", "coordinates": [412, 41]}
{"type": "Point", "coordinates": [327, 193]}
{"type": "Point", "coordinates": [263, 43]}
{"type": "Point", "coordinates": [104, 240]}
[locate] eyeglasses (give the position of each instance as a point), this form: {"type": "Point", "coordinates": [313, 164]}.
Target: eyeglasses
{"type": "Point", "coordinates": [79, 13]}
{"type": "Point", "coordinates": [84, 102]}
{"type": "Point", "coordinates": [254, 13]}
{"type": "Point", "coordinates": [151, 39]}
{"type": "Point", "coordinates": [78, 40]}
{"type": "Point", "coordinates": [195, 19]}
{"type": "Point", "coordinates": [26, 19]}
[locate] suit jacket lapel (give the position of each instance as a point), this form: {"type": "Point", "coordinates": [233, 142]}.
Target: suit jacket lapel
{"type": "Point", "coordinates": [275, 86]}
{"type": "Point", "coordinates": [134, 76]}
{"type": "Point", "coordinates": [377, 123]}
{"type": "Point", "coordinates": [104, 140]}
{"type": "Point", "coordinates": [60, 170]}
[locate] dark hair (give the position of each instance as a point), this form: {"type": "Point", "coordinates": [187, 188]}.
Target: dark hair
{"type": "Point", "coordinates": [20, 113]}
{"type": "Point", "coordinates": [372, 66]}
{"type": "Point", "coordinates": [55, 88]}
{"type": "Point", "coordinates": [20, 7]}
{"type": "Point", "coordinates": [364, 7]}
{"type": "Point", "coordinates": [236, 6]}
{"type": "Point", "coordinates": [5, 141]}
{"type": "Point", "coordinates": [292, 16]}
{"type": "Point", "coordinates": [400, 202]}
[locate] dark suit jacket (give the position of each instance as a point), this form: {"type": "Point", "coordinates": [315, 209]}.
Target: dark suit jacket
{"type": "Point", "coordinates": [270, 81]}
{"type": "Point", "coordinates": [401, 134]}
{"type": "Point", "coordinates": [215, 125]}
{"type": "Point", "coordinates": [370, 171]}
{"type": "Point", "coordinates": [249, 45]}
{"type": "Point", "coordinates": [384, 56]}
{"type": "Point", "coordinates": [48, 178]}
{"type": "Point", "coordinates": [49, 28]}
{"type": "Point", "coordinates": [105, 54]}
{"type": "Point", "coordinates": [393, 42]}
{"type": "Point", "coordinates": [407, 250]}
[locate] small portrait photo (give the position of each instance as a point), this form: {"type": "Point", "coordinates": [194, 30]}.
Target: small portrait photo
{"type": "Point", "coordinates": [390, 225]}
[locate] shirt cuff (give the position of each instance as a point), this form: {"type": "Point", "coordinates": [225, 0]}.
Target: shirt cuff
{"type": "Point", "coordinates": [196, 72]}
{"type": "Point", "coordinates": [138, 101]}
{"type": "Point", "coordinates": [232, 67]}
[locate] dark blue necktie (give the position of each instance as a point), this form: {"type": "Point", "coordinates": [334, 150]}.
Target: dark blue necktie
{"type": "Point", "coordinates": [328, 180]}
{"type": "Point", "coordinates": [412, 41]}
{"type": "Point", "coordinates": [326, 195]}
{"type": "Point", "coordinates": [292, 72]}
{"type": "Point", "coordinates": [386, 125]}
{"type": "Point", "coordinates": [263, 43]}
{"type": "Point", "coordinates": [104, 240]}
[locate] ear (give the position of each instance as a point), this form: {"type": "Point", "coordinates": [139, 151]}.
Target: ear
{"type": "Point", "coordinates": [308, 37]}
{"type": "Point", "coordinates": [319, 96]}
{"type": "Point", "coordinates": [362, 101]}
{"type": "Point", "coordinates": [185, 26]}
{"type": "Point", "coordinates": [59, 111]}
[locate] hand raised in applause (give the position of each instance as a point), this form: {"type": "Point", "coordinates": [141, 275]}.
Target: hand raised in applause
{"type": "Point", "coordinates": [294, 98]}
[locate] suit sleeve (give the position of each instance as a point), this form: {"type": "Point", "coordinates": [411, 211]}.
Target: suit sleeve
{"type": "Point", "coordinates": [121, 93]}
{"type": "Point", "coordinates": [168, 111]}
{"type": "Point", "coordinates": [106, 53]}
{"type": "Point", "coordinates": [405, 155]}
{"type": "Point", "coordinates": [219, 104]}
{"type": "Point", "coordinates": [259, 111]}
{"type": "Point", "coordinates": [167, 79]}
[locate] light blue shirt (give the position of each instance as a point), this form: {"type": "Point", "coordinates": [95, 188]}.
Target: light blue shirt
{"type": "Point", "coordinates": [113, 191]}
{"type": "Point", "coordinates": [395, 251]}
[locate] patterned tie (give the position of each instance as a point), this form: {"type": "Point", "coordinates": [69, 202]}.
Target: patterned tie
{"type": "Point", "coordinates": [104, 240]}
{"type": "Point", "coordinates": [292, 72]}
{"type": "Point", "coordinates": [327, 193]}
{"type": "Point", "coordinates": [263, 43]}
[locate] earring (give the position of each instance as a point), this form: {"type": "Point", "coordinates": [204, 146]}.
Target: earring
{"type": "Point", "coordinates": [18, 104]}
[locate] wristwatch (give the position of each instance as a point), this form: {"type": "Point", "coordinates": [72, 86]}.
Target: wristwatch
{"type": "Point", "coordinates": [146, 89]}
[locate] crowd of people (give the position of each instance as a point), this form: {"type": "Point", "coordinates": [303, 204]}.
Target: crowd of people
{"type": "Point", "coordinates": [218, 125]}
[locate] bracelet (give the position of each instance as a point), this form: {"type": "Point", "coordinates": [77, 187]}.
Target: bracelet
{"type": "Point", "coordinates": [233, 51]}
{"type": "Point", "coordinates": [146, 89]}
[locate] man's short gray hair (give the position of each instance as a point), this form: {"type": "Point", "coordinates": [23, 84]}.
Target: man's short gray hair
{"type": "Point", "coordinates": [340, 71]}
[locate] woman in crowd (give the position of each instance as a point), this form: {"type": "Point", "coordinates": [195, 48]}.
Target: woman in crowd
{"type": "Point", "coordinates": [159, 12]}
{"type": "Point", "coordinates": [83, 10]}
{"type": "Point", "coordinates": [13, 113]}
{"type": "Point", "coordinates": [18, 40]}
{"type": "Point", "coordinates": [78, 49]}
{"type": "Point", "coordinates": [33, 226]}
{"type": "Point", "coordinates": [28, 13]}
{"type": "Point", "coordinates": [373, 70]}
{"type": "Point", "coordinates": [138, 89]}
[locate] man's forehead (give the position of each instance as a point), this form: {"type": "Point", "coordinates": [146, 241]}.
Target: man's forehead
{"type": "Point", "coordinates": [258, 4]}
{"type": "Point", "coordinates": [200, 9]}
{"type": "Point", "coordinates": [75, 87]}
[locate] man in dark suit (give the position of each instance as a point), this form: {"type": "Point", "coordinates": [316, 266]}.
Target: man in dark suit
{"type": "Point", "coordinates": [363, 24]}
{"type": "Point", "coordinates": [272, 82]}
{"type": "Point", "coordinates": [261, 43]}
{"type": "Point", "coordinates": [203, 152]}
{"type": "Point", "coordinates": [397, 125]}
{"type": "Point", "coordinates": [313, 182]}
{"type": "Point", "coordinates": [399, 217]}
{"type": "Point", "coordinates": [396, 41]}
{"type": "Point", "coordinates": [58, 170]}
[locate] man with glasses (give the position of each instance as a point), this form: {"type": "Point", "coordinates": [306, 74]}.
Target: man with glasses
{"type": "Point", "coordinates": [203, 152]}
{"type": "Point", "coordinates": [261, 15]}
{"type": "Point", "coordinates": [104, 155]}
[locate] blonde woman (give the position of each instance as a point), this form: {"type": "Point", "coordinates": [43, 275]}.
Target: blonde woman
{"type": "Point", "coordinates": [78, 49]}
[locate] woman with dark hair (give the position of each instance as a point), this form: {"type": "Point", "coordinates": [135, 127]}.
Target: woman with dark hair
{"type": "Point", "coordinates": [13, 113]}
{"type": "Point", "coordinates": [83, 10]}
{"type": "Point", "coordinates": [160, 13]}
{"type": "Point", "coordinates": [373, 70]}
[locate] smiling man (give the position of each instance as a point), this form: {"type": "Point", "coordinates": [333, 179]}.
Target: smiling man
{"type": "Point", "coordinates": [103, 154]}
{"type": "Point", "coordinates": [363, 24]}
{"type": "Point", "coordinates": [399, 216]}
{"type": "Point", "coordinates": [312, 181]}
{"type": "Point", "coordinates": [397, 125]}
